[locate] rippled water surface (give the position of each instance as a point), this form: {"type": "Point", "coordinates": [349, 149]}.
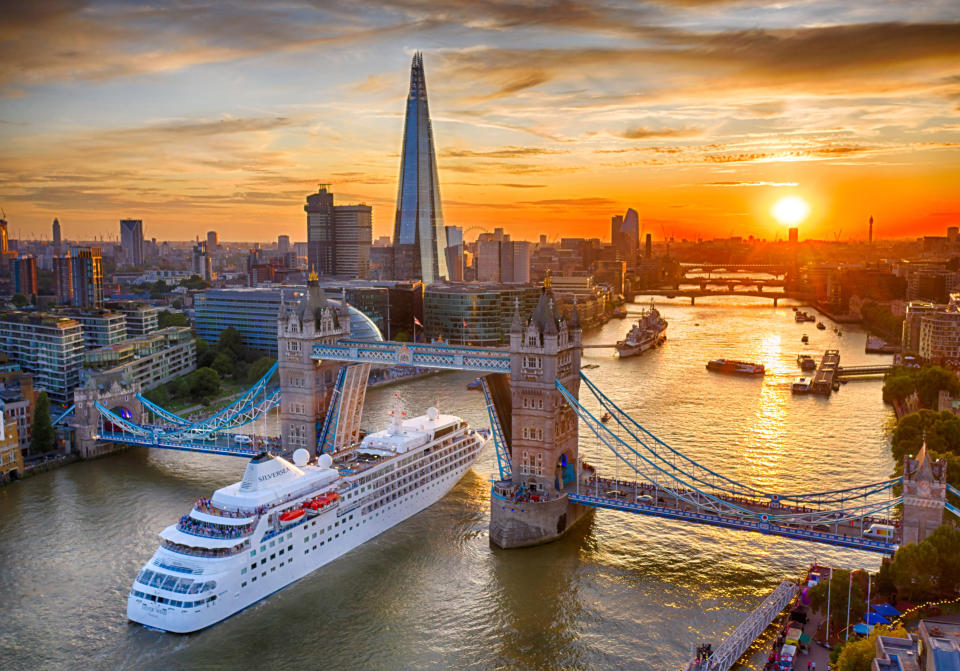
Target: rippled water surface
{"type": "Point", "coordinates": [619, 592]}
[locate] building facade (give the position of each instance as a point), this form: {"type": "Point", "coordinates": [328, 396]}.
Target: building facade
{"type": "Point", "coordinates": [338, 236]}
{"type": "Point", "coordinates": [141, 318]}
{"type": "Point", "coordinates": [149, 360]}
{"type": "Point", "coordinates": [253, 312]}
{"type": "Point", "coordinates": [419, 236]}
{"type": "Point", "coordinates": [48, 346]}
{"type": "Point", "coordinates": [101, 328]}
{"type": "Point", "coordinates": [11, 456]}
{"type": "Point", "coordinates": [25, 276]}
{"type": "Point", "coordinates": [19, 399]}
{"type": "Point", "coordinates": [476, 314]}
{"type": "Point", "coordinates": [63, 278]}
{"type": "Point", "coordinates": [86, 276]}
{"type": "Point", "coordinates": [131, 241]}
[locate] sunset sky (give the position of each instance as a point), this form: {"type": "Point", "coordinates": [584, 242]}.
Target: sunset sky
{"type": "Point", "coordinates": [548, 117]}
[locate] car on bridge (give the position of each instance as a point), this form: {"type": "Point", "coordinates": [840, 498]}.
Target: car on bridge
{"type": "Point", "coordinates": [242, 439]}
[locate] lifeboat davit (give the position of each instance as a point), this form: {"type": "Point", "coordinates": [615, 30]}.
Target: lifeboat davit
{"type": "Point", "coordinates": [291, 516]}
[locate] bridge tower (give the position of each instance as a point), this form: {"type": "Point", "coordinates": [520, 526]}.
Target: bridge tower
{"type": "Point", "coordinates": [307, 385]}
{"type": "Point", "coordinates": [544, 430]}
{"type": "Point", "coordinates": [924, 495]}
{"type": "Point", "coordinates": [114, 392]}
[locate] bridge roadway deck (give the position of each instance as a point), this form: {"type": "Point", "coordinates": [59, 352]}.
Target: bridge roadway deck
{"type": "Point", "coordinates": [668, 506]}
{"type": "Point", "coordinates": [224, 445]}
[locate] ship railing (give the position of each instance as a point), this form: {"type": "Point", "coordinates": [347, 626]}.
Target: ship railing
{"type": "Point", "coordinates": [204, 505]}
{"type": "Point", "coordinates": [204, 552]}
{"type": "Point", "coordinates": [205, 530]}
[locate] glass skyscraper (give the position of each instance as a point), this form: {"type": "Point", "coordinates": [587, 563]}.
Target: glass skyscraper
{"type": "Point", "coordinates": [419, 237]}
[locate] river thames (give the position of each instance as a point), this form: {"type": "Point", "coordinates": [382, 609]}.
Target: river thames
{"type": "Point", "coordinates": [620, 591]}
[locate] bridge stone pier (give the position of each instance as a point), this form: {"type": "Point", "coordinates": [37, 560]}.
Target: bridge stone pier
{"type": "Point", "coordinates": [532, 506]}
{"type": "Point", "coordinates": [924, 495]}
{"type": "Point", "coordinates": [115, 393]}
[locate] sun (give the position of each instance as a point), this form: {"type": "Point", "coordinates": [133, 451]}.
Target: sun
{"type": "Point", "coordinates": [790, 210]}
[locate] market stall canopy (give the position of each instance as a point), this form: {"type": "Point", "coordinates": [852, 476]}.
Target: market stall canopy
{"type": "Point", "coordinates": [876, 618]}
{"type": "Point", "coordinates": [886, 610]}
{"type": "Point", "coordinates": [861, 628]}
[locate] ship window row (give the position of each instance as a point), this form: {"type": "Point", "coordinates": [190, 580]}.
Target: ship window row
{"type": "Point", "coordinates": [173, 602]}
{"type": "Point", "coordinates": [173, 583]}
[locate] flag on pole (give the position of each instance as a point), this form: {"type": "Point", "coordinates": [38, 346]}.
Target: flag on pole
{"type": "Point", "coordinates": [464, 323]}
{"type": "Point", "coordinates": [417, 322]}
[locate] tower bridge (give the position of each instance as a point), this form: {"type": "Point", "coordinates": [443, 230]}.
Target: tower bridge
{"type": "Point", "coordinates": [532, 391]}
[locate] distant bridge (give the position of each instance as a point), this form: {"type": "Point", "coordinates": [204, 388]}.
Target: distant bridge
{"type": "Point", "coordinates": [694, 294]}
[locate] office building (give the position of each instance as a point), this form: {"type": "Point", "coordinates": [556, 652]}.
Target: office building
{"type": "Point", "coordinates": [625, 236]}
{"type": "Point", "coordinates": [213, 243]}
{"type": "Point", "coordinates": [476, 314]}
{"type": "Point", "coordinates": [141, 318]}
{"type": "Point", "coordinates": [793, 235]}
{"type": "Point", "coordinates": [201, 265]}
{"type": "Point", "coordinates": [4, 237]}
{"type": "Point", "coordinates": [101, 328]}
{"type": "Point", "coordinates": [253, 312]}
{"type": "Point", "coordinates": [57, 240]}
{"type": "Point", "coordinates": [419, 236]}
{"type": "Point", "coordinates": [283, 244]}
{"type": "Point", "coordinates": [131, 241]}
{"type": "Point", "coordinates": [910, 335]}
{"type": "Point", "coordinates": [87, 276]}
{"type": "Point", "coordinates": [25, 276]}
{"type": "Point", "coordinates": [338, 236]}
{"type": "Point", "coordinates": [48, 346]}
{"type": "Point", "coordinates": [151, 360]}
{"type": "Point", "coordinates": [456, 257]}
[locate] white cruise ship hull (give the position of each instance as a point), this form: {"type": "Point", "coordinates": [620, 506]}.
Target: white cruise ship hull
{"type": "Point", "coordinates": [268, 566]}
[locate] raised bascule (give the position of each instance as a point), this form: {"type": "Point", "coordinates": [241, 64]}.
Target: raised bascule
{"type": "Point", "coordinates": [541, 429]}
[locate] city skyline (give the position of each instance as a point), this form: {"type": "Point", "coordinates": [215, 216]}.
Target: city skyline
{"type": "Point", "coordinates": [701, 117]}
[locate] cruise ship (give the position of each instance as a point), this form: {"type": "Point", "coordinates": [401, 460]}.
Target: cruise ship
{"type": "Point", "coordinates": [284, 520]}
{"type": "Point", "coordinates": [647, 333]}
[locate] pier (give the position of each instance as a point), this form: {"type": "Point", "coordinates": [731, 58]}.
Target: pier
{"type": "Point", "coordinates": [737, 643]}
{"type": "Point", "coordinates": [825, 377]}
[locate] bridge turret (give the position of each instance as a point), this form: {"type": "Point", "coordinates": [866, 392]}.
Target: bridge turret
{"type": "Point", "coordinates": [113, 391]}
{"type": "Point", "coordinates": [924, 495]}
{"type": "Point", "coordinates": [307, 385]}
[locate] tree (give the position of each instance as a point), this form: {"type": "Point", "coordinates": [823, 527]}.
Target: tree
{"type": "Point", "coordinates": [231, 342]}
{"type": "Point", "coordinates": [195, 282]}
{"type": "Point", "coordinates": [933, 379]}
{"type": "Point", "coordinates": [158, 289]}
{"type": "Point", "coordinates": [859, 655]}
{"type": "Point", "coordinates": [167, 318]}
{"type": "Point", "coordinates": [158, 395]}
{"type": "Point", "coordinates": [20, 300]}
{"type": "Point", "coordinates": [259, 368]}
{"type": "Point", "coordinates": [221, 364]}
{"type": "Point", "coordinates": [204, 382]}
{"type": "Point", "coordinates": [839, 584]}
{"type": "Point", "coordinates": [42, 438]}
{"type": "Point", "coordinates": [914, 571]}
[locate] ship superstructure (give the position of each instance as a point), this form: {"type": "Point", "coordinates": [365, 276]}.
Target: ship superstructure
{"type": "Point", "coordinates": [284, 520]}
{"type": "Point", "coordinates": [647, 333]}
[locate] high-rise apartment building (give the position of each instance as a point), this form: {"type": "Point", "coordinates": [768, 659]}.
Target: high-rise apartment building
{"type": "Point", "coordinates": [283, 244]}
{"type": "Point", "coordinates": [455, 253]}
{"type": "Point", "coordinates": [419, 236]}
{"type": "Point", "coordinates": [48, 346]}
{"type": "Point", "coordinates": [793, 235]}
{"type": "Point", "coordinates": [56, 235]}
{"type": "Point", "coordinates": [131, 241]}
{"type": "Point", "coordinates": [213, 243]}
{"type": "Point", "coordinates": [63, 278]}
{"type": "Point", "coordinates": [87, 275]}
{"type": "Point", "coordinates": [25, 275]}
{"type": "Point", "coordinates": [4, 238]}
{"type": "Point", "coordinates": [338, 236]}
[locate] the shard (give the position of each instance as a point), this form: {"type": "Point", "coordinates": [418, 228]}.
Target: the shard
{"type": "Point", "coordinates": [419, 237]}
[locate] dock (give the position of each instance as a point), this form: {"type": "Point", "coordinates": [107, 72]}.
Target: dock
{"type": "Point", "coordinates": [825, 377]}
{"type": "Point", "coordinates": [740, 639]}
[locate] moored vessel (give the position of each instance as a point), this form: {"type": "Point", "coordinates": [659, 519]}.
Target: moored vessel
{"type": "Point", "coordinates": [648, 332]}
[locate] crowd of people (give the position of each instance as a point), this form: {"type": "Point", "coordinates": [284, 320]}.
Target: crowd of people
{"type": "Point", "coordinates": [191, 526]}
{"type": "Point", "coordinates": [203, 552]}
{"type": "Point", "coordinates": [205, 505]}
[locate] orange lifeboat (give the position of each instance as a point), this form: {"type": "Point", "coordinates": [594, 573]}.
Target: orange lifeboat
{"type": "Point", "coordinates": [291, 516]}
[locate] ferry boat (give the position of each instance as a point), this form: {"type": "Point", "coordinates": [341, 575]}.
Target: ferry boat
{"type": "Point", "coordinates": [802, 316]}
{"type": "Point", "coordinates": [821, 326]}
{"type": "Point", "coordinates": [284, 520]}
{"type": "Point", "coordinates": [619, 313]}
{"type": "Point", "coordinates": [647, 333]}
{"type": "Point", "coordinates": [801, 385]}
{"type": "Point", "coordinates": [732, 367]}
{"type": "Point", "coordinates": [804, 338]}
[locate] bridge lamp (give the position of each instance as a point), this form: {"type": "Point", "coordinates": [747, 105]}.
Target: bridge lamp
{"type": "Point", "coordinates": [790, 210]}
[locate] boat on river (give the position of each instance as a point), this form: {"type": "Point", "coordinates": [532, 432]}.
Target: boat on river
{"type": "Point", "coordinates": [732, 367]}
{"type": "Point", "coordinates": [283, 521]}
{"type": "Point", "coordinates": [647, 333]}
